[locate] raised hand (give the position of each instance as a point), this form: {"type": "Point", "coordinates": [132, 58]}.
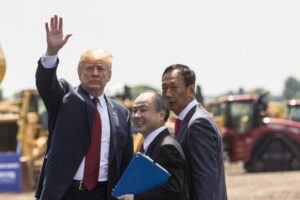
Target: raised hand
{"type": "Point", "coordinates": [55, 37]}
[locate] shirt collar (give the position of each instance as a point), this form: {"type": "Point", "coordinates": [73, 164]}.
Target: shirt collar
{"type": "Point", "coordinates": [101, 100]}
{"type": "Point", "coordinates": [149, 139]}
{"type": "Point", "coordinates": [185, 111]}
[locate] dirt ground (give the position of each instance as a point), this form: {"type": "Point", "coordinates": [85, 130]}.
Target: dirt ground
{"type": "Point", "coordinates": [261, 186]}
{"type": "Point", "coordinates": [240, 185]}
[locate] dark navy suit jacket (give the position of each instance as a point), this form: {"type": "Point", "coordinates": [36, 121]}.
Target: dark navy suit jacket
{"type": "Point", "coordinates": [70, 119]}
{"type": "Point", "coordinates": [202, 145]}
{"type": "Point", "coordinates": [165, 151]}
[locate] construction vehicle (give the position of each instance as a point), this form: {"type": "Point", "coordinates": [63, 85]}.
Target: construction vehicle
{"type": "Point", "coordinates": [274, 110]}
{"type": "Point", "coordinates": [214, 108]}
{"type": "Point", "coordinates": [293, 110]}
{"type": "Point", "coordinates": [23, 129]}
{"type": "Point", "coordinates": [2, 65]}
{"type": "Point", "coordinates": [262, 142]}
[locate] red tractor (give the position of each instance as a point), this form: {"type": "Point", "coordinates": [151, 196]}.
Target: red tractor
{"type": "Point", "coordinates": [263, 143]}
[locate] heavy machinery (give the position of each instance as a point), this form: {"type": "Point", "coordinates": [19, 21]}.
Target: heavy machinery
{"type": "Point", "coordinates": [23, 129]}
{"type": "Point", "coordinates": [293, 110]}
{"type": "Point", "coordinates": [2, 64]}
{"type": "Point", "coordinates": [250, 135]}
{"type": "Point", "coordinates": [274, 110]}
{"type": "Point", "coordinates": [214, 108]}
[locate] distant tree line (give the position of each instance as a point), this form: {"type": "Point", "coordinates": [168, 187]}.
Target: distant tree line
{"type": "Point", "coordinates": [291, 88]}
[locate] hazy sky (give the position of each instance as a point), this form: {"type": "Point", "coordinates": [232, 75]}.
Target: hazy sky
{"type": "Point", "coordinates": [229, 43]}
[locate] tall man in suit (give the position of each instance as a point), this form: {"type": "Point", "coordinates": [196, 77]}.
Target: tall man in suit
{"type": "Point", "coordinates": [197, 133]}
{"type": "Point", "coordinates": [89, 143]}
{"type": "Point", "coordinates": [150, 112]}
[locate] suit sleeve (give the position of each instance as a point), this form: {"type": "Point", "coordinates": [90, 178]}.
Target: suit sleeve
{"type": "Point", "coordinates": [202, 140]}
{"type": "Point", "coordinates": [51, 91]}
{"type": "Point", "coordinates": [49, 88]}
{"type": "Point", "coordinates": [128, 154]}
{"type": "Point", "coordinates": [169, 158]}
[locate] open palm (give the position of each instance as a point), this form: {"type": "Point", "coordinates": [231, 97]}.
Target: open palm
{"type": "Point", "coordinates": [55, 37]}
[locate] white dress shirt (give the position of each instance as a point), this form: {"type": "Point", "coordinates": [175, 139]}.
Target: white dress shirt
{"type": "Point", "coordinates": [149, 139]}
{"type": "Point", "coordinates": [187, 109]}
{"type": "Point", "coordinates": [49, 62]}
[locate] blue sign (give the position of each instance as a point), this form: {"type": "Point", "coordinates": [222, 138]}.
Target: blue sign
{"type": "Point", "coordinates": [10, 172]}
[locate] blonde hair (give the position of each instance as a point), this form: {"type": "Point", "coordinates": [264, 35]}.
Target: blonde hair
{"type": "Point", "coordinates": [98, 54]}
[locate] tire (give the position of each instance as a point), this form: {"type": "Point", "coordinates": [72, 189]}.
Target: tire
{"type": "Point", "coordinates": [276, 153]}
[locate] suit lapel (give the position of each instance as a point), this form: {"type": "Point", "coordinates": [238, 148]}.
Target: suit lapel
{"type": "Point", "coordinates": [156, 141]}
{"type": "Point", "coordinates": [184, 124]}
{"type": "Point", "coordinates": [114, 126]}
{"type": "Point", "coordinates": [113, 118]}
{"type": "Point", "coordinates": [90, 107]}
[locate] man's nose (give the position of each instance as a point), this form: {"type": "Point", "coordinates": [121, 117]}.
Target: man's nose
{"type": "Point", "coordinates": [95, 71]}
{"type": "Point", "coordinates": [167, 93]}
{"type": "Point", "coordinates": [136, 114]}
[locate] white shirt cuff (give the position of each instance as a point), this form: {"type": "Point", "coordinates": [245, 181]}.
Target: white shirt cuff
{"type": "Point", "coordinates": [49, 61]}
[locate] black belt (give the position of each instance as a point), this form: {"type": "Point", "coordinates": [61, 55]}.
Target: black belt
{"type": "Point", "coordinates": [80, 185]}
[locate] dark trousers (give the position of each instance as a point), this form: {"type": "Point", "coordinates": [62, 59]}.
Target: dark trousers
{"type": "Point", "coordinates": [74, 193]}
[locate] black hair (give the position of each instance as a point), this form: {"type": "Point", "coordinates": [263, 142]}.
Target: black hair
{"type": "Point", "coordinates": [162, 104]}
{"type": "Point", "coordinates": [188, 74]}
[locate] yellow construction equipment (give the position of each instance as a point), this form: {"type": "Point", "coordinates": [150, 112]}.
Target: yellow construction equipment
{"type": "Point", "coordinates": [214, 108]}
{"type": "Point", "coordinates": [2, 65]}
{"type": "Point", "coordinates": [276, 109]}
{"type": "Point", "coordinates": [23, 129]}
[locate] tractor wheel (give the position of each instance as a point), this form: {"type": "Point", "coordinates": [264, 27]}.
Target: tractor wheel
{"type": "Point", "coordinates": [257, 166]}
{"type": "Point", "coordinates": [275, 155]}
{"type": "Point", "coordinates": [295, 164]}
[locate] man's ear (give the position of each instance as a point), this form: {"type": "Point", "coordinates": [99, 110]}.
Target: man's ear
{"type": "Point", "coordinates": [162, 115]}
{"type": "Point", "coordinates": [79, 71]}
{"type": "Point", "coordinates": [109, 75]}
{"type": "Point", "coordinates": [191, 91]}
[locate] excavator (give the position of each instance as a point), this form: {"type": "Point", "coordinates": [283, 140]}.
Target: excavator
{"type": "Point", "coordinates": [23, 129]}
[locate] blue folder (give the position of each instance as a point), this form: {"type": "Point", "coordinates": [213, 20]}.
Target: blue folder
{"type": "Point", "coordinates": [141, 175]}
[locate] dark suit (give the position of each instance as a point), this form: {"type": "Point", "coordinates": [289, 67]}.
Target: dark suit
{"type": "Point", "coordinates": [70, 119]}
{"type": "Point", "coordinates": [202, 145]}
{"type": "Point", "coordinates": [165, 151]}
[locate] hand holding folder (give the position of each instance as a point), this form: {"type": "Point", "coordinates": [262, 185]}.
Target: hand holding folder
{"type": "Point", "coordinates": [141, 175]}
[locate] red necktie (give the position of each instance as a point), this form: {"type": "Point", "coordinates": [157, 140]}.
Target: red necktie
{"type": "Point", "coordinates": [177, 127]}
{"type": "Point", "coordinates": [92, 158]}
{"type": "Point", "coordinates": [142, 150]}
